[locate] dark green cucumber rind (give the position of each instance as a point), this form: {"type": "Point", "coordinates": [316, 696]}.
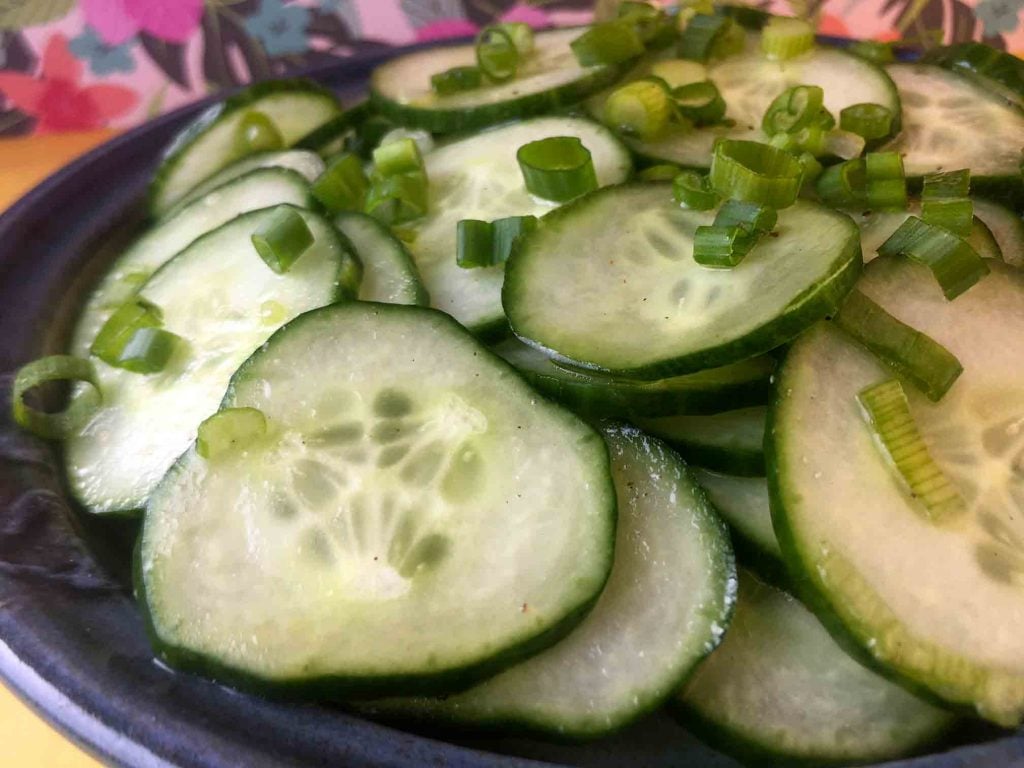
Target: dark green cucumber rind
{"type": "Point", "coordinates": [727, 460]}
{"type": "Point", "coordinates": [1005, 226]}
{"type": "Point", "coordinates": [337, 688]}
{"type": "Point", "coordinates": [244, 98]}
{"type": "Point", "coordinates": [818, 301]}
{"type": "Point", "coordinates": [529, 105]}
{"type": "Point", "coordinates": [321, 140]}
{"type": "Point", "coordinates": [800, 572]}
{"type": "Point", "coordinates": [746, 16]}
{"type": "Point", "coordinates": [760, 561]}
{"type": "Point", "coordinates": [998, 71]}
{"type": "Point", "coordinates": [422, 298]}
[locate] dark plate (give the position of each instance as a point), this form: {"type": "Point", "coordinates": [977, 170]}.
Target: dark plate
{"type": "Point", "coordinates": [71, 640]}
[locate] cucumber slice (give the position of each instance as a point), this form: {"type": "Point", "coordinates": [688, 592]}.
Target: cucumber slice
{"type": "Point", "coordinates": [208, 144]}
{"type": "Point", "coordinates": [389, 274]}
{"type": "Point", "coordinates": [949, 122]}
{"type": "Point", "coordinates": [665, 607]}
{"type": "Point", "coordinates": [877, 226]}
{"type": "Point", "coordinates": [780, 689]}
{"type": "Point", "coordinates": [257, 189]}
{"type": "Point", "coordinates": [306, 164]}
{"type": "Point", "coordinates": [996, 70]}
{"type": "Point", "coordinates": [743, 504]}
{"type": "Point", "coordinates": [938, 604]}
{"type": "Point", "coordinates": [479, 178]}
{"type": "Point", "coordinates": [609, 283]}
{"type": "Point", "coordinates": [338, 132]}
{"type": "Point", "coordinates": [1006, 227]}
{"type": "Point", "coordinates": [224, 302]}
{"type": "Point", "coordinates": [548, 78]}
{"type": "Point", "coordinates": [738, 384]}
{"type": "Point", "coordinates": [415, 519]}
{"type": "Point", "coordinates": [730, 442]}
{"type": "Point", "coordinates": [749, 82]}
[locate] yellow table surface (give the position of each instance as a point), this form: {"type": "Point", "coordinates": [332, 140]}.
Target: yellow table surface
{"type": "Point", "coordinates": [26, 741]}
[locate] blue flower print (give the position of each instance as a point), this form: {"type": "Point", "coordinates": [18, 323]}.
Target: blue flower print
{"type": "Point", "coordinates": [280, 28]}
{"type": "Point", "coordinates": [103, 59]}
{"type": "Point", "coordinates": [998, 16]}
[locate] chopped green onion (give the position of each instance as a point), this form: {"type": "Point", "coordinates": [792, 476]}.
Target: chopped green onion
{"type": "Point", "coordinates": [256, 132]}
{"type": "Point", "coordinates": [872, 121]}
{"type": "Point", "coordinates": [496, 53]}
{"type": "Point", "coordinates": [879, 53]}
{"type": "Point", "coordinates": [120, 327]}
{"type": "Point", "coordinates": [652, 24]}
{"type": "Point", "coordinates": [677, 72]}
{"type": "Point", "coordinates": [946, 184]}
{"type": "Point", "coordinates": [825, 120]}
{"type": "Point", "coordinates": [397, 157]}
{"type": "Point", "coordinates": [282, 239]}
{"type": "Point", "coordinates": [343, 184]}
{"type": "Point", "coordinates": [230, 428]}
{"type": "Point", "coordinates": [844, 185]}
{"type": "Point", "coordinates": [701, 103]}
{"type": "Point", "coordinates": [812, 168]}
{"type": "Point", "coordinates": [398, 199]}
{"type": "Point", "coordinates": [148, 350]}
{"type": "Point", "coordinates": [711, 36]}
{"type": "Point", "coordinates": [886, 182]}
{"type": "Point", "coordinates": [638, 109]}
{"type": "Point", "coordinates": [888, 412]}
{"type": "Point", "coordinates": [927, 364]}
{"type": "Point", "coordinates": [660, 172]}
{"type": "Point", "coordinates": [786, 38]}
{"type": "Point", "coordinates": [793, 109]}
{"type": "Point", "coordinates": [558, 168]}
{"type": "Point", "coordinates": [693, 190]}
{"type": "Point", "coordinates": [945, 202]}
{"type": "Point", "coordinates": [521, 34]}
{"type": "Point", "coordinates": [722, 247]}
{"type": "Point", "coordinates": [610, 42]}
{"type": "Point", "coordinates": [506, 232]}
{"type": "Point", "coordinates": [759, 218]}
{"type": "Point", "coordinates": [844, 144]}
{"type": "Point", "coordinates": [811, 140]}
{"type": "Point", "coordinates": [55, 426]}
{"type": "Point", "coordinates": [747, 170]}
{"type": "Point", "coordinates": [456, 80]}
{"type": "Point", "coordinates": [954, 263]}
{"type": "Point", "coordinates": [474, 243]}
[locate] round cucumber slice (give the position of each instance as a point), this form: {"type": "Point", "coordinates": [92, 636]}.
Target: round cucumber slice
{"type": "Point", "coordinates": [1006, 227]}
{"type": "Point", "coordinates": [665, 607]}
{"type": "Point", "coordinates": [208, 144]}
{"type": "Point", "coordinates": [389, 275]}
{"type": "Point", "coordinates": [877, 226]}
{"type": "Point", "coordinates": [749, 82]}
{"type": "Point", "coordinates": [949, 122]}
{"type": "Point", "coordinates": [223, 302]}
{"type": "Point", "coordinates": [259, 188]}
{"type": "Point", "coordinates": [479, 178]}
{"type": "Point", "coordinates": [548, 78]}
{"type": "Point", "coordinates": [743, 383]}
{"type": "Point", "coordinates": [996, 70]}
{"type": "Point", "coordinates": [608, 282]}
{"type": "Point", "coordinates": [780, 689]}
{"type": "Point", "coordinates": [730, 442]}
{"type": "Point", "coordinates": [415, 518]}
{"type": "Point", "coordinates": [940, 604]}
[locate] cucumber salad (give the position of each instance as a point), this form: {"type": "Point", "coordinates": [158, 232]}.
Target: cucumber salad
{"type": "Point", "coordinates": [675, 361]}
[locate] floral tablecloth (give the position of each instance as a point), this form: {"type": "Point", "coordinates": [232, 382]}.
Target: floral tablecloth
{"type": "Point", "coordinates": [68, 65]}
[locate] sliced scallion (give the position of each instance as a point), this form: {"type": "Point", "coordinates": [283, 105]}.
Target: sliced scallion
{"type": "Point", "coordinates": [506, 232]}
{"type": "Point", "coordinates": [521, 34]}
{"type": "Point", "coordinates": [872, 121]}
{"type": "Point", "coordinates": [793, 109]}
{"type": "Point", "coordinates": [639, 109]}
{"type": "Point", "coordinates": [610, 42]}
{"type": "Point", "coordinates": [343, 184]}
{"type": "Point", "coordinates": [928, 365]}
{"type": "Point", "coordinates": [886, 181]}
{"type": "Point", "coordinates": [148, 350]}
{"type": "Point", "coordinates": [62, 424]}
{"type": "Point", "coordinates": [844, 185]}
{"type": "Point", "coordinates": [660, 172]}
{"type": "Point", "coordinates": [652, 24]}
{"type": "Point", "coordinates": [693, 190]}
{"type": "Point", "coordinates": [677, 72]}
{"type": "Point", "coordinates": [485, 244]}
{"type": "Point", "coordinates": [397, 157]}
{"type": "Point", "coordinates": [256, 132]}
{"type": "Point", "coordinates": [397, 199]}
{"type": "Point", "coordinates": [710, 36]}
{"type": "Point", "coordinates": [786, 38]}
{"type": "Point", "coordinates": [282, 239]}
{"type": "Point", "coordinates": [759, 218]}
{"type": "Point", "coordinates": [557, 168]}
{"type": "Point", "coordinates": [701, 103]}
{"type": "Point", "coordinates": [945, 201]}
{"type": "Point", "coordinates": [748, 170]}
{"type": "Point", "coordinates": [844, 144]}
{"type": "Point", "coordinates": [721, 247]}
{"type": "Point", "coordinates": [120, 327]}
{"type": "Point", "coordinates": [456, 80]}
{"type": "Point", "coordinates": [887, 410]}
{"type": "Point", "coordinates": [954, 263]}
{"type": "Point", "coordinates": [229, 429]}
{"type": "Point", "coordinates": [496, 53]}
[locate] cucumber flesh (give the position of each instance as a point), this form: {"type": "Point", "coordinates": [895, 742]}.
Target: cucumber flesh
{"type": "Point", "coordinates": [609, 283]}
{"type": "Point", "coordinates": [937, 604]}
{"type": "Point", "coordinates": [479, 178]}
{"type": "Point", "coordinates": [730, 442]}
{"type": "Point", "coordinates": [414, 520]}
{"type": "Point", "coordinates": [749, 82]}
{"type": "Point", "coordinates": [547, 78]}
{"type": "Point", "coordinates": [1006, 227]}
{"type": "Point", "coordinates": [208, 144]}
{"type": "Point", "coordinates": [389, 275]}
{"type": "Point", "coordinates": [224, 302]}
{"type": "Point", "coordinates": [259, 188]}
{"type": "Point", "coordinates": [877, 226]}
{"type": "Point", "coordinates": [780, 689]}
{"type": "Point", "coordinates": [710, 391]}
{"type": "Point", "coordinates": [665, 607]}
{"type": "Point", "coordinates": [306, 164]}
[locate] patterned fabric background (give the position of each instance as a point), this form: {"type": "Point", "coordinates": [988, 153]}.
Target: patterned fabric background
{"type": "Point", "coordinates": [81, 64]}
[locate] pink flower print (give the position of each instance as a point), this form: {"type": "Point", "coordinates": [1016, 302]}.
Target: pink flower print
{"type": "Point", "coordinates": [527, 14]}
{"type": "Point", "coordinates": [119, 20]}
{"type": "Point", "coordinates": [445, 28]}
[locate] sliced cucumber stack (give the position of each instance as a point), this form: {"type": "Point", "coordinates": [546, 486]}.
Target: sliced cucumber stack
{"type": "Point", "coordinates": [939, 604]}
{"type": "Point", "coordinates": [665, 607]}
{"type": "Point", "coordinates": [878, 226]}
{"type": "Point", "coordinates": [1006, 227]}
{"type": "Point", "coordinates": [414, 519]}
{"type": "Point", "coordinates": [949, 122]}
{"type": "Point", "coordinates": [548, 78]}
{"type": "Point", "coordinates": [223, 302]}
{"type": "Point", "coordinates": [211, 141]}
{"type": "Point", "coordinates": [710, 391]}
{"type": "Point", "coordinates": [730, 442]}
{"type": "Point", "coordinates": [609, 282]}
{"type": "Point", "coordinates": [389, 274]}
{"type": "Point", "coordinates": [479, 178]}
{"type": "Point", "coordinates": [259, 188]}
{"type": "Point", "coordinates": [780, 689]}
{"type": "Point", "coordinates": [749, 82]}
